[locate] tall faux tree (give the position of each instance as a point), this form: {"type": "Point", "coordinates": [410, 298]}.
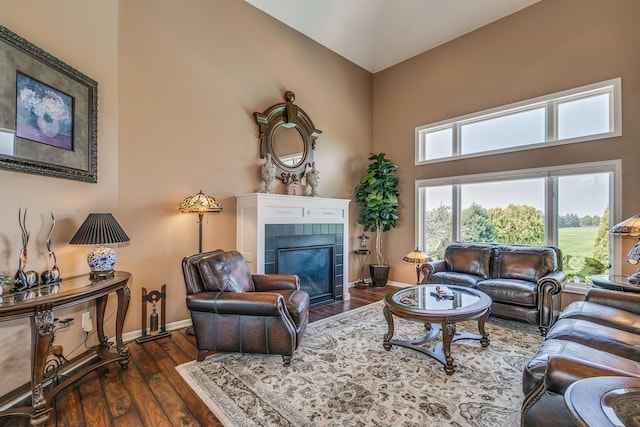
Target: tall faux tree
{"type": "Point", "coordinates": [377, 194]}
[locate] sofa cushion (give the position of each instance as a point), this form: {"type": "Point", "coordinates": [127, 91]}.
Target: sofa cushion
{"type": "Point", "coordinates": [226, 272]}
{"type": "Point", "coordinates": [513, 291]}
{"type": "Point", "coordinates": [536, 366]}
{"type": "Point", "coordinates": [603, 315]}
{"type": "Point", "coordinates": [450, 278]}
{"type": "Point", "coordinates": [469, 258]}
{"type": "Point", "coordinates": [524, 262]}
{"type": "Point", "coordinates": [614, 341]}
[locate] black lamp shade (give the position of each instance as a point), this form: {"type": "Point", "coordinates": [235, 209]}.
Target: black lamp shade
{"type": "Point", "coordinates": [99, 229]}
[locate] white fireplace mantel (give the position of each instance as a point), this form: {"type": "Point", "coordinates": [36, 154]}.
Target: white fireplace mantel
{"type": "Point", "coordinates": [254, 211]}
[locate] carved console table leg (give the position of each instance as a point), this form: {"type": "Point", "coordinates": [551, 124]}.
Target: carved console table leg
{"type": "Point", "coordinates": [41, 337]}
{"type": "Point", "coordinates": [124, 295]}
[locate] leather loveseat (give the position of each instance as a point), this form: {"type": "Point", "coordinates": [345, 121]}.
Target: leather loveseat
{"type": "Point", "coordinates": [523, 281]}
{"type": "Point", "coordinates": [599, 336]}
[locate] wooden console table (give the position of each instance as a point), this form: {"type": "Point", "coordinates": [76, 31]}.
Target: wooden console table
{"type": "Point", "coordinates": [38, 304]}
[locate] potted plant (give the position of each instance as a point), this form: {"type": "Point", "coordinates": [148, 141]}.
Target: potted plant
{"type": "Point", "coordinates": [377, 194]}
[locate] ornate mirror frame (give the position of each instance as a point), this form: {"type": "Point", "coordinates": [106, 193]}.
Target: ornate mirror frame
{"type": "Point", "coordinates": [291, 116]}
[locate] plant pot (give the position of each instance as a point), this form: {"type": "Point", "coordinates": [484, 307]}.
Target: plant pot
{"type": "Point", "coordinates": [379, 275]}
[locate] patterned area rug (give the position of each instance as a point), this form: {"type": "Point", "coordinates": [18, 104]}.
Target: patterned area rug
{"type": "Point", "coordinates": [342, 376]}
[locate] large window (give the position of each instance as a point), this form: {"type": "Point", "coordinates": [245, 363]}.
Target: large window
{"type": "Point", "coordinates": [577, 115]}
{"type": "Point", "coordinates": [569, 207]}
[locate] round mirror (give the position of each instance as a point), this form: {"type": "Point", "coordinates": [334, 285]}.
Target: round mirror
{"type": "Point", "coordinates": [289, 136]}
{"type": "Point", "coordinates": [288, 146]}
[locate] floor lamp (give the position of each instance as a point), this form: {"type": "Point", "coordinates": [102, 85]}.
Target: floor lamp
{"type": "Point", "coordinates": [201, 204]}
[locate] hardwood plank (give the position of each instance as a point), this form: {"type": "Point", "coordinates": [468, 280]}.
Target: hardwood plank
{"type": "Point", "coordinates": [175, 352]}
{"type": "Point", "coordinates": [174, 407]}
{"type": "Point", "coordinates": [149, 409]}
{"type": "Point", "coordinates": [186, 343]}
{"type": "Point", "coordinates": [142, 359]}
{"type": "Point", "coordinates": [117, 398]}
{"type": "Point", "coordinates": [69, 408]}
{"type": "Point", "coordinates": [90, 386]}
{"type": "Point", "coordinates": [199, 409]}
{"type": "Point", "coordinates": [128, 420]}
{"type": "Point", "coordinates": [96, 413]}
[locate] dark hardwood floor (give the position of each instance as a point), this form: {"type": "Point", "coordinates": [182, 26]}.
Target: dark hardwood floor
{"type": "Point", "coordinates": [150, 392]}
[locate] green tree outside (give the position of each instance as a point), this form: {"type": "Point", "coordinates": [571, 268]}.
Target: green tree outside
{"type": "Point", "coordinates": [601, 244]}
{"type": "Point", "coordinates": [518, 224]}
{"type": "Point", "coordinates": [437, 231]}
{"type": "Point", "coordinates": [477, 226]}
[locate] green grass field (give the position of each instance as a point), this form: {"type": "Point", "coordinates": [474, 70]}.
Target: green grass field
{"type": "Point", "coordinates": [577, 240]}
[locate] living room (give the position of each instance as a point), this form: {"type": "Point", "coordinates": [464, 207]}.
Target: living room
{"type": "Point", "coordinates": [177, 88]}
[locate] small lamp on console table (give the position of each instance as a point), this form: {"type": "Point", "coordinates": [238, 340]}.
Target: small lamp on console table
{"type": "Point", "coordinates": [630, 227]}
{"type": "Point", "coordinates": [100, 229]}
{"type": "Point", "coordinates": [418, 258]}
{"type": "Point", "coordinates": [201, 204]}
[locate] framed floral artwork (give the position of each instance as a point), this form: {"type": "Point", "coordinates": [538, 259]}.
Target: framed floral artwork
{"type": "Point", "coordinates": [48, 113]}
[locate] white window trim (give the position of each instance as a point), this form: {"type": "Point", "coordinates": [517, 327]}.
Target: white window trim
{"type": "Point", "coordinates": [615, 198]}
{"type": "Point", "coordinates": [550, 101]}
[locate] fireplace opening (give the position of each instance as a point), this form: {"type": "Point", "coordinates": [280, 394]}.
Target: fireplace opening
{"type": "Point", "coordinates": [313, 252]}
{"type": "Point", "coordinates": [313, 266]}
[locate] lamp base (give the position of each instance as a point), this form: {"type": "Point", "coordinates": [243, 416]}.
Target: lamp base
{"type": "Point", "coordinates": [101, 275]}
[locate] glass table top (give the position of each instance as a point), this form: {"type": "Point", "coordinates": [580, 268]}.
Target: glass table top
{"type": "Point", "coordinates": [425, 297]}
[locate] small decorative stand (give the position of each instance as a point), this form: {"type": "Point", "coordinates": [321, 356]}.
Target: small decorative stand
{"type": "Point", "coordinates": [156, 329]}
{"type": "Point", "coordinates": [363, 255]}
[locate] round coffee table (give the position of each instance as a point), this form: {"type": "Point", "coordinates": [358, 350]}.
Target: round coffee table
{"type": "Point", "coordinates": [422, 304]}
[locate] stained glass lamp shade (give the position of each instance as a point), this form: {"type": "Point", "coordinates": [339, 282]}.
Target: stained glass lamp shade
{"type": "Point", "coordinates": [100, 229]}
{"type": "Point", "coordinates": [201, 204]}
{"type": "Point", "coordinates": [630, 227]}
{"type": "Point", "coordinates": [418, 258]}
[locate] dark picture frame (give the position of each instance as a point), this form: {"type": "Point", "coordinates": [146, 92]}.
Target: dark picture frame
{"type": "Point", "coordinates": [44, 140]}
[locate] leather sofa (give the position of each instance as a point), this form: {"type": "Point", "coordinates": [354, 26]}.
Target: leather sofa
{"type": "Point", "coordinates": [599, 336]}
{"type": "Point", "coordinates": [233, 310]}
{"type": "Point", "coordinates": [523, 281]}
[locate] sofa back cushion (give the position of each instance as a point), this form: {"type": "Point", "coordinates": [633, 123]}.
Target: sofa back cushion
{"type": "Point", "coordinates": [226, 272]}
{"type": "Point", "coordinates": [470, 258]}
{"type": "Point", "coordinates": [524, 262]}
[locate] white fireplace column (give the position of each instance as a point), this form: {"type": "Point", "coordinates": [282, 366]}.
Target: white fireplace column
{"type": "Point", "coordinates": [254, 211]}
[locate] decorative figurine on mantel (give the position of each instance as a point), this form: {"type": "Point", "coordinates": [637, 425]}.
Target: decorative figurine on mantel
{"type": "Point", "coordinates": [292, 184]}
{"type": "Point", "coordinates": [313, 179]}
{"type": "Point", "coordinates": [268, 175]}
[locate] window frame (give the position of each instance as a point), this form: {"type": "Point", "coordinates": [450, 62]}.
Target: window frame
{"type": "Point", "coordinates": [548, 102]}
{"type": "Point", "coordinates": [551, 200]}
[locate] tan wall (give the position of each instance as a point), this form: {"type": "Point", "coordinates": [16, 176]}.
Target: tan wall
{"type": "Point", "coordinates": [84, 35]}
{"type": "Point", "coordinates": [548, 47]}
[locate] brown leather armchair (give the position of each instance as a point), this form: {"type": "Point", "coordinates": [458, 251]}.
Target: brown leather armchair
{"type": "Point", "coordinates": [235, 311]}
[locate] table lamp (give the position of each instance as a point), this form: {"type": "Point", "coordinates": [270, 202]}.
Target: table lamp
{"type": "Point", "coordinates": [200, 203]}
{"type": "Point", "coordinates": [418, 258]}
{"type": "Point", "coordinates": [630, 227]}
{"type": "Point", "coordinates": [100, 229]}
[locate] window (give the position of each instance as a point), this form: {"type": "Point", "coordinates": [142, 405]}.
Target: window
{"type": "Point", "coordinates": [546, 206]}
{"type": "Point", "coordinates": [577, 115]}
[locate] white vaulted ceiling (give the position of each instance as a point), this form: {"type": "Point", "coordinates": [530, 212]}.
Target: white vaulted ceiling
{"type": "Point", "coordinates": [376, 34]}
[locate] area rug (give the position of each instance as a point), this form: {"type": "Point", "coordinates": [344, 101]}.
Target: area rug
{"type": "Point", "coordinates": [342, 376]}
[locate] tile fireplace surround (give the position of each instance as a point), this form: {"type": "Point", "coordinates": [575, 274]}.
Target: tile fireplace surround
{"type": "Point", "coordinates": [269, 222]}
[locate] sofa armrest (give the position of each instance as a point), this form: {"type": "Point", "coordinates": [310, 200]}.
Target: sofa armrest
{"type": "Point", "coordinates": [552, 282]}
{"type": "Point", "coordinates": [562, 371]}
{"type": "Point", "coordinates": [627, 301]}
{"type": "Point", "coordinates": [240, 303]}
{"type": "Point", "coordinates": [275, 282]}
{"type": "Point", "coordinates": [428, 268]}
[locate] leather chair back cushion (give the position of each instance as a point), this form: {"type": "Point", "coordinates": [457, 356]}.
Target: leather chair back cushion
{"type": "Point", "coordinates": [524, 263]}
{"type": "Point", "coordinates": [191, 271]}
{"type": "Point", "coordinates": [469, 258]}
{"type": "Point", "coordinates": [226, 272]}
